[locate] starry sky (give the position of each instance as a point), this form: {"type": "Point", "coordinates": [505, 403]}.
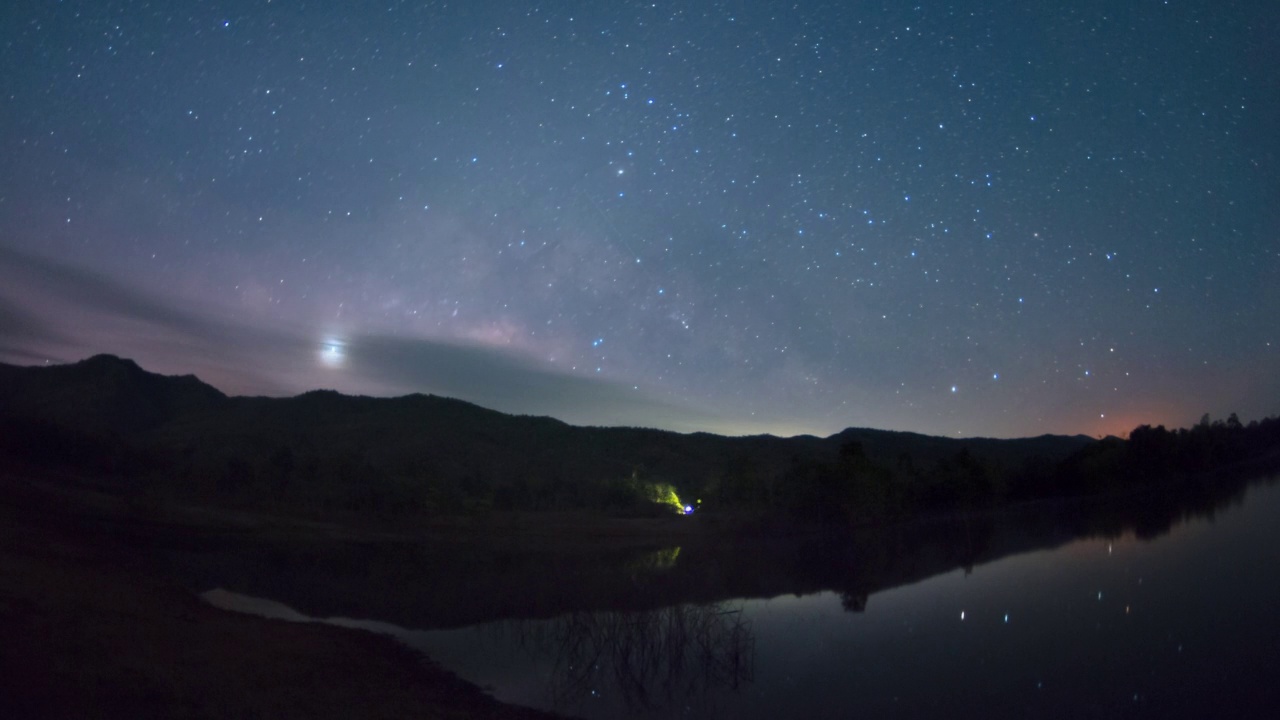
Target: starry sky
{"type": "Point", "coordinates": [997, 218]}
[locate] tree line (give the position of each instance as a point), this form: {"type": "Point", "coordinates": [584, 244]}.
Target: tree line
{"type": "Point", "coordinates": [262, 469]}
{"type": "Point", "coordinates": [855, 489]}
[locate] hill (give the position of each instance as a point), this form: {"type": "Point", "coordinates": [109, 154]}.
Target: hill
{"type": "Point", "coordinates": [162, 438]}
{"type": "Point", "coordinates": [414, 452]}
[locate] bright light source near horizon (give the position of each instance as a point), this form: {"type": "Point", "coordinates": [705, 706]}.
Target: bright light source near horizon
{"type": "Point", "coordinates": [333, 352]}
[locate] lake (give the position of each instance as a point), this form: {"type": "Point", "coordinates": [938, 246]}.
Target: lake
{"type": "Point", "coordinates": [1136, 607]}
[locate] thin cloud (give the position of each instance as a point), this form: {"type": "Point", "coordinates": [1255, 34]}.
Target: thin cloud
{"type": "Point", "coordinates": [96, 294]}
{"type": "Point", "coordinates": [513, 383]}
{"type": "Point", "coordinates": [20, 327]}
{"type": "Point", "coordinates": [84, 313]}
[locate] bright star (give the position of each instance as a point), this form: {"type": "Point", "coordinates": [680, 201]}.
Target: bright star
{"type": "Point", "coordinates": [333, 352]}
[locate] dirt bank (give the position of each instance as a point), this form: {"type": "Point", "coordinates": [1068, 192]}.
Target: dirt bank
{"type": "Point", "coordinates": [87, 630]}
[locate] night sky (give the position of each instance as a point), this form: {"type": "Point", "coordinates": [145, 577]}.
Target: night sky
{"type": "Point", "coordinates": [966, 218]}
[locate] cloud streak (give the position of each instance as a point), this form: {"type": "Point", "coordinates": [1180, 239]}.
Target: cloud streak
{"type": "Point", "coordinates": [512, 383]}
{"type": "Point", "coordinates": [77, 312]}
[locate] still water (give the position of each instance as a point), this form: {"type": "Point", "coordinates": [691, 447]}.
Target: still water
{"type": "Point", "coordinates": [1182, 625]}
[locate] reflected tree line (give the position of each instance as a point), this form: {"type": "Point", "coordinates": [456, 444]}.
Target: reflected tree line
{"type": "Point", "coordinates": [441, 584]}
{"type": "Point", "coordinates": [652, 659]}
{"type": "Point", "coordinates": [669, 657]}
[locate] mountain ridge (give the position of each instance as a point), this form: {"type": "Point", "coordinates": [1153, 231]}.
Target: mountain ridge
{"type": "Point", "coordinates": [338, 451]}
{"type": "Point", "coordinates": [105, 367]}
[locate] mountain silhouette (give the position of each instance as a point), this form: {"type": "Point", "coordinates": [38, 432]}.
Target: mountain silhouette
{"type": "Point", "coordinates": [356, 452]}
{"type": "Point", "coordinates": [103, 392]}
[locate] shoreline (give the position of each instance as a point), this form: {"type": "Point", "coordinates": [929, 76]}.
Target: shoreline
{"type": "Point", "coordinates": [92, 625]}
{"type": "Point", "coordinates": [90, 631]}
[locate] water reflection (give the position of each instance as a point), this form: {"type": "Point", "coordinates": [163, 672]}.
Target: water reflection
{"type": "Point", "coordinates": [1058, 610]}
{"type": "Point", "coordinates": [650, 659]}
{"type": "Point", "coordinates": [443, 584]}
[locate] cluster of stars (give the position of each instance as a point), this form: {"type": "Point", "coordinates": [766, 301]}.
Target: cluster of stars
{"type": "Point", "coordinates": [768, 214]}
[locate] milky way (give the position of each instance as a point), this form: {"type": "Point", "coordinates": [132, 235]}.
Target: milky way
{"type": "Point", "coordinates": [996, 218]}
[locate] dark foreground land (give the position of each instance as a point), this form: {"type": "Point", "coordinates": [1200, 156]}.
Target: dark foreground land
{"type": "Point", "coordinates": [124, 494]}
{"type": "Point", "coordinates": [97, 620]}
{"type": "Point", "coordinates": [90, 630]}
